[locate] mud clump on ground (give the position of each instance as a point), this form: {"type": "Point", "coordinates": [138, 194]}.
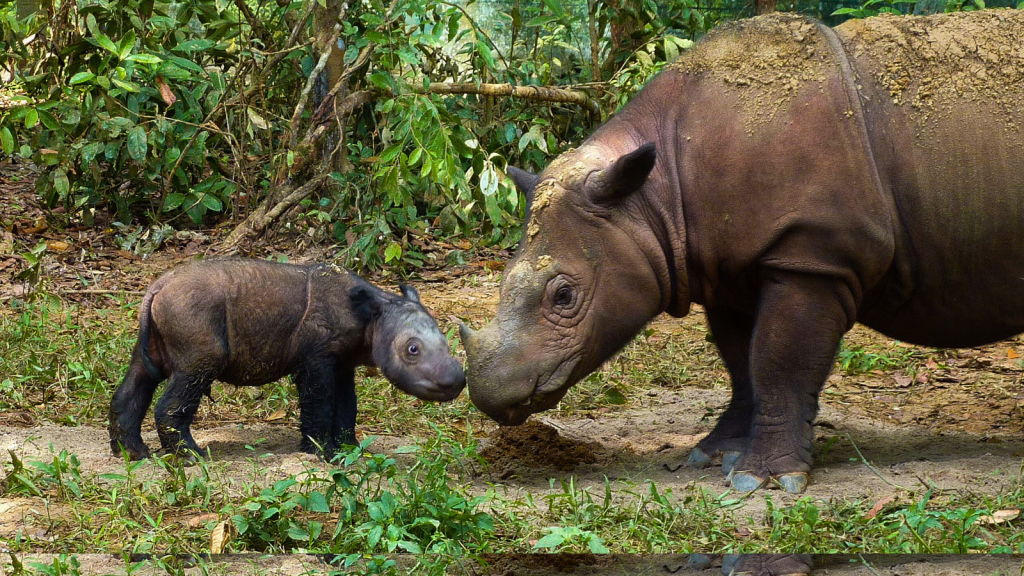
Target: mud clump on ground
{"type": "Point", "coordinates": [536, 445]}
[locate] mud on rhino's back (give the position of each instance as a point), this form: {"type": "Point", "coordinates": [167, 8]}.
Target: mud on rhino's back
{"type": "Point", "coordinates": [944, 106]}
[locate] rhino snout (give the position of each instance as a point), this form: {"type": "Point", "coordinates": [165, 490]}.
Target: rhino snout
{"type": "Point", "coordinates": [443, 385]}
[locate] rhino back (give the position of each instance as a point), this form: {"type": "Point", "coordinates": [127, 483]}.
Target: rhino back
{"type": "Point", "coordinates": [761, 156]}
{"type": "Point", "coordinates": [943, 96]}
{"type": "Point", "coordinates": [240, 314]}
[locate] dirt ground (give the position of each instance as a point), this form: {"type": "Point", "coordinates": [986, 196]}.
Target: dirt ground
{"type": "Point", "coordinates": [948, 419]}
{"type": "Point", "coordinates": [575, 564]}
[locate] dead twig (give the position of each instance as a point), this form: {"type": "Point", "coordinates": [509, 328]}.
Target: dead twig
{"type": "Point", "coordinates": [262, 217]}
{"type": "Point", "coordinates": [132, 292]}
{"type": "Point", "coordinates": [540, 93]}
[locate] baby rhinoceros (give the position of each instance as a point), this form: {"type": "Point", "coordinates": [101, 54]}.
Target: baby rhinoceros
{"type": "Point", "coordinates": [250, 322]}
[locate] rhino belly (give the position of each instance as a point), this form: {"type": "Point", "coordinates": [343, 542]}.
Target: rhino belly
{"type": "Point", "coordinates": [958, 276]}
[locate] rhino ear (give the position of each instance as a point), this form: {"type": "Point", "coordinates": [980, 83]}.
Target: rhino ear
{"type": "Point", "coordinates": [625, 176]}
{"type": "Point", "coordinates": [410, 293]}
{"type": "Point", "coordinates": [525, 181]}
{"type": "Point", "coordinates": [366, 305]}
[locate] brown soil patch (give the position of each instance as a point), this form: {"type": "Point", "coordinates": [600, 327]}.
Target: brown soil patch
{"type": "Point", "coordinates": [517, 564]}
{"type": "Point", "coordinates": [536, 445]}
{"type": "Point", "coordinates": [767, 60]}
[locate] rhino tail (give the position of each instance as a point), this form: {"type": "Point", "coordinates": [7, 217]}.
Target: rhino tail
{"type": "Point", "coordinates": [145, 329]}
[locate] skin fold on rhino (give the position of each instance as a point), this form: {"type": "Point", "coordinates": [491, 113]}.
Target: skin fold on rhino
{"type": "Point", "coordinates": [793, 180]}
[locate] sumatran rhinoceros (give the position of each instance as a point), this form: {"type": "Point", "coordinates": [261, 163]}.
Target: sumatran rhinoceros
{"type": "Point", "coordinates": [793, 180]}
{"type": "Point", "coordinates": [250, 322]}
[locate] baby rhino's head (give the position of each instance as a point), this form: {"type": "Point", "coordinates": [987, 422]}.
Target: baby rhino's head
{"type": "Point", "coordinates": [408, 347]}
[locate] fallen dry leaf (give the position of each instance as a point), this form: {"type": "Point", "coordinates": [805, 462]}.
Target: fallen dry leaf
{"type": "Point", "coordinates": [197, 521]}
{"type": "Point", "coordinates": [278, 415]}
{"type": "Point", "coordinates": [903, 381]}
{"type": "Point", "coordinates": [999, 516]}
{"type": "Point", "coordinates": [1011, 353]}
{"type": "Point", "coordinates": [220, 537]}
{"type": "Point", "coordinates": [57, 245]}
{"type": "Point", "coordinates": [165, 91]}
{"type": "Point", "coordinates": [878, 507]}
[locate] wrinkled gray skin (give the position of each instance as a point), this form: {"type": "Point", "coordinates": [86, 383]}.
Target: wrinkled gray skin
{"type": "Point", "coordinates": [787, 231]}
{"type": "Point", "coordinates": [251, 322]}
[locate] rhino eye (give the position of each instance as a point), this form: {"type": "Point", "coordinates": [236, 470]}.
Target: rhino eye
{"type": "Point", "coordinates": [563, 297]}
{"type": "Point", "coordinates": [413, 349]}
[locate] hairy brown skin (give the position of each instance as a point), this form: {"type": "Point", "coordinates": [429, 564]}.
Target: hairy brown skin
{"type": "Point", "coordinates": [793, 182]}
{"type": "Point", "coordinates": [251, 322]}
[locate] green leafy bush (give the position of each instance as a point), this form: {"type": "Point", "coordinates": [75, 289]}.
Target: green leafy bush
{"type": "Point", "coordinates": [380, 507]}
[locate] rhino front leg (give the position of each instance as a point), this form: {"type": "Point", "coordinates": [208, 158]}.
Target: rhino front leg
{"type": "Point", "coordinates": [733, 331]}
{"type": "Point", "coordinates": [343, 428]}
{"type": "Point", "coordinates": [800, 320]}
{"type": "Point", "coordinates": [315, 381]}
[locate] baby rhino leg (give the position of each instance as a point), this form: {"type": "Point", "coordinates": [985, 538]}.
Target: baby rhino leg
{"type": "Point", "coordinates": [315, 381]}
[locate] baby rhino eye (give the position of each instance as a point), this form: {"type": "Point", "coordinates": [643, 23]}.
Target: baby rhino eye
{"type": "Point", "coordinates": [413, 349]}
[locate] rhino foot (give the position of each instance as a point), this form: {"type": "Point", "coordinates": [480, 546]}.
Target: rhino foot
{"type": "Point", "coordinates": [711, 446]}
{"type": "Point", "coordinates": [698, 459]}
{"type": "Point", "coordinates": [729, 460]}
{"type": "Point", "coordinates": [136, 450]}
{"type": "Point", "coordinates": [795, 483]}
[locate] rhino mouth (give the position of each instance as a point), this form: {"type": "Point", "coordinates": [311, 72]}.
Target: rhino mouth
{"type": "Point", "coordinates": [547, 392]}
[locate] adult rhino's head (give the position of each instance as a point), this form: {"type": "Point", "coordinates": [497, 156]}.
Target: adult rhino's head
{"type": "Point", "coordinates": [591, 271]}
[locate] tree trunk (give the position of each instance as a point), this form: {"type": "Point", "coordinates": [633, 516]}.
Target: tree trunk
{"type": "Point", "coordinates": [595, 42]}
{"type": "Point", "coordinates": [764, 6]}
{"type": "Point", "coordinates": [324, 19]}
{"type": "Point", "coordinates": [621, 28]}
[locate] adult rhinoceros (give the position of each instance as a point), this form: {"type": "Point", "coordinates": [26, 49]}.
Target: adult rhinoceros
{"type": "Point", "coordinates": [793, 180]}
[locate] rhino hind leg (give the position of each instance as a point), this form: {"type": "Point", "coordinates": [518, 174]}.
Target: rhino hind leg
{"type": "Point", "coordinates": [177, 408]}
{"type": "Point", "coordinates": [128, 407]}
{"type": "Point", "coordinates": [732, 331]}
{"type": "Point", "coordinates": [315, 381]}
{"type": "Point", "coordinates": [343, 425]}
{"type": "Point", "coordinates": [800, 321]}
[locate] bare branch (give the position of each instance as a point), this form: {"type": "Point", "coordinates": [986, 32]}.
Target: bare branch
{"type": "Point", "coordinates": [258, 221]}
{"type": "Point", "coordinates": [541, 93]}
{"type": "Point", "coordinates": [254, 22]}
{"type": "Point", "coordinates": [297, 115]}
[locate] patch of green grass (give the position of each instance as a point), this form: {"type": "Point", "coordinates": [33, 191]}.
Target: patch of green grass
{"type": "Point", "coordinates": [62, 361]}
{"type": "Point", "coordinates": [855, 359]}
{"type": "Point", "coordinates": [422, 499]}
{"type": "Point", "coordinates": [955, 524]}
{"type": "Point", "coordinates": [362, 503]}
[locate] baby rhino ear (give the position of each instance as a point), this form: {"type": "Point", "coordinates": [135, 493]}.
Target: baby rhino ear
{"type": "Point", "coordinates": [410, 293]}
{"type": "Point", "coordinates": [365, 304]}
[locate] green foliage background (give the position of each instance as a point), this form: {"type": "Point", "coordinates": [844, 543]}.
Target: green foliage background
{"type": "Point", "coordinates": [183, 113]}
